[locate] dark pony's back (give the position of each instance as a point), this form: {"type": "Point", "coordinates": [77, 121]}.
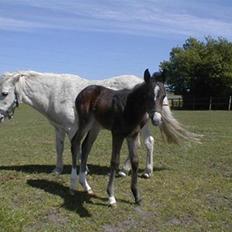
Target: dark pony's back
{"type": "Point", "coordinates": [106, 105]}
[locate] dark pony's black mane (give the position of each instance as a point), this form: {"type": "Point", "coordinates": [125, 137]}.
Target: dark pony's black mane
{"type": "Point", "coordinates": [120, 97]}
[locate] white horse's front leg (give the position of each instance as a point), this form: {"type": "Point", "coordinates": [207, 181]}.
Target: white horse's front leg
{"type": "Point", "coordinates": [60, 137]}
{"type": "Point", "coordinates": [149, 143]}
{"type": "Point", "coordinates": [127, 164]}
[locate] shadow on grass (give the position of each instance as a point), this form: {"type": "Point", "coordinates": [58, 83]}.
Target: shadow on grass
{"type": "Point", "coordinates": [71, 202]}
{"type": "Point", "coordinates": [40, 168]}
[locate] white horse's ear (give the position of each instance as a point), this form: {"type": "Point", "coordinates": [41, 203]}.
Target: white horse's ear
{"type": "Point", "coordinates": [17, 77]}
{"type": "Point", "coordinates": [147, 75]}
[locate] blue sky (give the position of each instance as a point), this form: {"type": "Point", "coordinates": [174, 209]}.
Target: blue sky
{"type": "Point", "coordinates": [101, 39]}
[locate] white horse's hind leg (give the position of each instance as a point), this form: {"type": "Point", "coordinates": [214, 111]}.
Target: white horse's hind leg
{"type": "Point", "coordinates": [60, 137]}
{"type": "Point", "coordinates": [149, 143]}
{"type": "Point", "coordinates": [126, 167]}
{"type": "Point", "coordinates": [127, 164]}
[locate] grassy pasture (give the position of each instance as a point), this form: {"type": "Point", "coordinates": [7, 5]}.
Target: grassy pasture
{"type": "Point", "coordinates": [191, 189]}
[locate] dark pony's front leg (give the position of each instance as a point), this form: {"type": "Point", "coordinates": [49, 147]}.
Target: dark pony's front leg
{"type": "Point", "coordinates": [132, 146]}
{"type": "Point", "coordinates": [116, 147]}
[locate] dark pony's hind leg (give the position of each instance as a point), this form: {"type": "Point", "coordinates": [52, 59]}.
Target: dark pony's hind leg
{"type": "Point", "coordinates": [86, 147]}
{"type": "Point", "coordinates": [131, 141]}
{"type": "Point", "coordinates": [116, 147]}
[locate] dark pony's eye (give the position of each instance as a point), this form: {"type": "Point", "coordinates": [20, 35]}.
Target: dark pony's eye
{"type": "Point", "coordinates": [4, 94]}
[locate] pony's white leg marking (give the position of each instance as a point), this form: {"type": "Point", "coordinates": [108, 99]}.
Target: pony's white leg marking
{"type": "Point", "coordinates": [60, 136]}
{"type": "Point", "coordinates": [112, 200]}
{"type": "Point", "coordinates": [84, 182]}
{"type": "Point", "coordinates": [74, 178]}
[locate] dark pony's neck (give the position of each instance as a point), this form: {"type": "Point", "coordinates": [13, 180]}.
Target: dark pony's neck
{"type": "Point", "coordinates": [135, 107]}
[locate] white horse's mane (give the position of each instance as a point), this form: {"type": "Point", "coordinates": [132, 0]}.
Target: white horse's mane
{"type": "Point", "coordinates": [30, 73]}
{"type": "Point", "coordinates": [116, 82]}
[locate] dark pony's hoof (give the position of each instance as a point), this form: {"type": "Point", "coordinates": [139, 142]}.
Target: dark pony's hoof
{"type": "Point", "coordinates": [138, 201]}
{"type": "Point", "coordinates": [113, 206]}
{"type": "Point", "coordinates": [91, 193]}
{"type": "Point", "coordinates": [72, 192]}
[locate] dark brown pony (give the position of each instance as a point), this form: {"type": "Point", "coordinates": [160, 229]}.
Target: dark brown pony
{"type": "Point", "coordinates": [124, 113]}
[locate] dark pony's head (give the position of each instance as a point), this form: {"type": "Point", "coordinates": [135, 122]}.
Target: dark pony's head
{"type": "Point", "coordinates": [155, 96]}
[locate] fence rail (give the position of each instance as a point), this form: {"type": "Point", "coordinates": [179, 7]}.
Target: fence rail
{"type": "Point", "coordinates": [193, 103]}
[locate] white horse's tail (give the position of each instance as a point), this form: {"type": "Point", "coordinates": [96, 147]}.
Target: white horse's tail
{"type": "Point", "coordinates": [173, 131]}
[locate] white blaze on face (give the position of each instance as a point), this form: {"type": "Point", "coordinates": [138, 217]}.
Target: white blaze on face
{"type": "Point", "coordinates": [157, 116]}
{"type": "Point", "coordinates": [156, 91]}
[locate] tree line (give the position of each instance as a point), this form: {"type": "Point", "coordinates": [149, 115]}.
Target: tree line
{"type": "Point", "coordinates": [200, 69]}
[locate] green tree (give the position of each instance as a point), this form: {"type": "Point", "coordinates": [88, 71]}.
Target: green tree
{"type": "Point", "coordinates": [200, 69]}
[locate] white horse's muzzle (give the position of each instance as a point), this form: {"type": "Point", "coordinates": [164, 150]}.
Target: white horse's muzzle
{"type": "Point", "coordinates": [157, 119]}
{"type": "Point", "coordinates": [1, 118]}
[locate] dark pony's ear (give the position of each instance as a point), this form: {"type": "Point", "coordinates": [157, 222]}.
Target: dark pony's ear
{"type": "Point", "coordinates": [147, 75]}
{"type": "Point", "coordinates": [164, 75]}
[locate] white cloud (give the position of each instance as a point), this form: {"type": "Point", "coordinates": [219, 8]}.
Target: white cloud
{"type": "Point", "coordinates": [151, 17]}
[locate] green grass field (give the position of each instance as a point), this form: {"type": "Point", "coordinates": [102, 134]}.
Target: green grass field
{"type": "Point", "coordinates": [191, 189]}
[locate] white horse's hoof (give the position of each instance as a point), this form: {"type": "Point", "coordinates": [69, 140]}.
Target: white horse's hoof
{"type": "Point", "coordinates": [122, 173]}
{"type": "Point", "coordinates": [146, 175]}
{"type": "Point", "coordinates": [57, 171]}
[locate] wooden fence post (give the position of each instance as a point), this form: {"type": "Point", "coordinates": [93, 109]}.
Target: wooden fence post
{"type": "Point", "coordinates": [210, 103]}
{"type": "Point", "coordinates": [229, 106]}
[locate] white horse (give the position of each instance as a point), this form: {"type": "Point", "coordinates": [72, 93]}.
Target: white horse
{"type": "Point", "coordinates": [53, 95]}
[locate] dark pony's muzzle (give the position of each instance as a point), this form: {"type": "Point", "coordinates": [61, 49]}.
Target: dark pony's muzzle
{"type": "Point", "coordinates": [156, 118]}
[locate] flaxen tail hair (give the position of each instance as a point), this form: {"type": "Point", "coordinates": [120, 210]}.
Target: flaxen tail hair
{"type": "Point", "coordinates": [174, 132]}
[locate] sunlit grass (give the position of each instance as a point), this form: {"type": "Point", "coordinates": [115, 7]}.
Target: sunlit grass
{"type": "Point", "coordinates": [191, 189]}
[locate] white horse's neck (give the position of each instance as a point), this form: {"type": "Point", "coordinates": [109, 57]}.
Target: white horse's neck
{"type": "Point", "coordinates": [45, 91]}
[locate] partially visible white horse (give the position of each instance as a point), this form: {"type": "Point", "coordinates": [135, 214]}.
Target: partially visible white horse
{"type": "Point", "coordinates": [53, 95]}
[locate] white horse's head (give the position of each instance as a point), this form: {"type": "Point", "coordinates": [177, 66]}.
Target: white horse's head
{"type": "Point", "coordinates": [8, 96]}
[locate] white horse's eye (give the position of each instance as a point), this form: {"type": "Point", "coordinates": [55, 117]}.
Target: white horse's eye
{"type": "Point", "coordinates": [4, 94]}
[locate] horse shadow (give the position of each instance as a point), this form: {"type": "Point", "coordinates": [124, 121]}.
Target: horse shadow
{"type": "Point", "coordinates": [40, 168]}
{"type": "Point", "coordinates": [93, 169]}
{"type": "Point", "coordinates": [74, 202]}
